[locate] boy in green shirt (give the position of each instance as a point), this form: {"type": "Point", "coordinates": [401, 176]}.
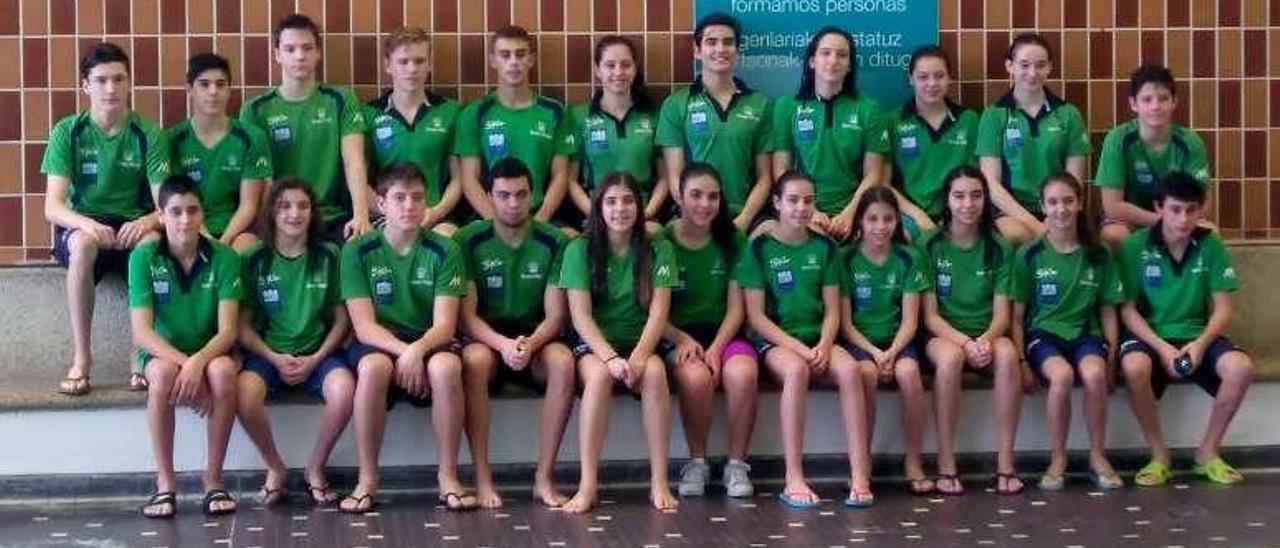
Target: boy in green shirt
{"type": "Point", "coordinates": [514, 121]}
{"type": "Point", "coordinates": [718, 120]}
{"type": "Point", "coordinates": [97, 166]}
{"type": "Point", "coordinates": [409, 124]}
{"type": "Point", "coordinates": [1178, 282]}
{"type": "Point", "coordinates": [402, 285]}
{"type": "Point", "coordinates": [1140, 152]}
{"type": "Point", "coordinates": [513, 315]}
{"type": "Point", "coordinates": [316, 131]}
{"type": "Point", "coordinates": [228, 158]}
{"type": "Point", "coordinates": [184, 296]}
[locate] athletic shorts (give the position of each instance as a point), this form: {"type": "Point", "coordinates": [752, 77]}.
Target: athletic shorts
{"type": "Point", "coordinates": [108, 261]}
{"type": "Point", "coordinates": [1205, 375]}
{"type": "Point", "coordinates": [312, 386]}
{"type": "Point", "coordinates": [1042, 346]}
{"type": "Point", "coordinates": [359, 350]}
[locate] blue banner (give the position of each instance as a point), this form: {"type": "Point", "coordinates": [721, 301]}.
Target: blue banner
{"type": "Point", "coordinates": [775, 33]}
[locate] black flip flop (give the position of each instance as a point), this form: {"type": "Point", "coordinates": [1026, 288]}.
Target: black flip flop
{"type": "Point", "coordinates": [162, 497]}
{"type": "Point", "coordinates": [359, 502]}
{"type": "Point", "coordinates": [453, 502]}
{"type": "Point", "coordinates": [217, 495]}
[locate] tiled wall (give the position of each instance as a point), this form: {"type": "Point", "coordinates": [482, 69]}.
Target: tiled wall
{"type": "Point", "coordinates": [1226, 52]}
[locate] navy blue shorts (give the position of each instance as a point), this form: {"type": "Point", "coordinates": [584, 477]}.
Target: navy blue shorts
{"type": "Point", "coordinates": [358, 350]}
{"type": "Point", "coordinates": [108, 261]}
{"type": "Point", "coordinates": [312, 386]}
{"type": "Point", "coordinates": [863, 356]}
{"type": "Point", "coordinates": [1205, 375]}
{"type": "Point", "coordinates": [1041, 346]}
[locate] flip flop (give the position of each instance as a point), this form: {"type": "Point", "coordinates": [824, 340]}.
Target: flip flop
{"type": "Point", "coordinates": [952, 479]}
{"type": "Point", "coordinates": [217, 495]}
{"type": "Point", "coordinates": [457, 502]}
{"type": "Point", "coordinates": [860, 499]}
{"type": "Point", "coordinates": [359, 507]}
{"type": "Point", "coordinates": [1154, 474]}
{"type": "Point", "coordinates": [1006, 478]}
{"type": "Point", "coordinates": [270, 497]}
{"type": "Point", "coordinates": [795, 503]}
{"type": "Point", "coordinates": [158, 499]}
{"type": "Point", "coordinates": [914, 488]}
{"type": "Point", "coordinates": [1106, 482]}
{"type": "Point", "coordinates": [1052, 482]}
{"type": "Point", "coordinates": [74, 386]}
{"type": "Point", "coordinates": [322, 495]}
{"type": "Point", "coordinates": [1219, 472]}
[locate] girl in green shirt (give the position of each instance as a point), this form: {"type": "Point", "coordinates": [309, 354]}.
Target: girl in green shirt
{"type": "Point", "coordinates": [966, 317]}
{"type": "Point", "coordinates": [1065, 292]}
{"type": "Point", "coordinates": [791, 281]}
{"type": "Point", "coordinates": [619, 288]}
{"type": "Point", "coordinates": [882, 283]}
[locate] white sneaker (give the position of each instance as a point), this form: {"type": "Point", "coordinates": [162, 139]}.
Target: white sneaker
{"type": "Point", "coordinates": [693, 478]}
{"type": "Point", "coordinates": [736, 482]}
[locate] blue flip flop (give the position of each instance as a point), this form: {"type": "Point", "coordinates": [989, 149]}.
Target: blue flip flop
{"type": "Point", "coordinates": [866, 502]}
{"type": "Point", "coordinates": [795, 503]}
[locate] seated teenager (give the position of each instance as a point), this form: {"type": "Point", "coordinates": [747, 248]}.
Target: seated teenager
{"type": "Point", "coordinates": [292, 331]}
{"type": "Point", "coordinates": [790, 277]}
{"type": "Point", "coordinates": [1178, 282]}
{"type": "Point", "coordinates": [619, 284]}
{"type": "Point", "coordinates": [707, 349]}
{"type": "Point", "coordinates": [402, 285]}
{"type": "Point", "coordinates": [1065, 292]}
{"type": "Point", "coordinates": [513, 316]}
{"type": "Point", "coordinates": [184, 294]}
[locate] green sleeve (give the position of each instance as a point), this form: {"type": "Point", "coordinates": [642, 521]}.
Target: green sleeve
{"type": "Point", "coordinates": [749, 272]}
{"type": "Point", "coordinates": [664, 264]}
{"type": "Point", "coordinates": [918, 278]}
{"type": "Point", "coordinates": [781, 126]}
{"type": "Point", "coordinates": [557, 259]}
{"type": "Point", "coordinates": [833, 273]}
{"type": "Point", "coordinates": [574, 269]}
{"type": "Point", "coordinates": [258, 161]}
{"type": "Point", "coordinates": [466, 142]}
{"type": "Point", "coordinates": [877, 140]}
{"type": "Point", "coordinates": [1111, 168]}
{"type": "Point", "coordinates": [989, 133]}
{"type": "Point", "coordinates": [671, 121]}
{"type": "Point", "coordinates": [577, 123]}
{"type": "Point", "coordinates": [1004, 270]}
{"type": "Point", "coordinates": [1222, 274]}
{"type": "Point", "coordinates": [1113, 286]}
{"type": "Point", "coordinates": [354, 283]}
{"type": "Point", "coordinates": [764, 142]}
{"type": "Point", "coordinates": [140, 277]}
{"type": "Point", "coordinates": [1021, 278]}
{"type": "Point", "coordinates": [1078, 143]}
{"type": "Point", "coordinates": [229, 286]}
{"type": "Point", "coordinates": [1198, 164]}
{"type": "Point", "coordinates": [157, 155]}
{"type": "Point", "coordinates": [57, 155]}
{"type": "Point", "coordinates": [333, 297]}
{"type": "Point", "coordinates": [971, 140]}
{"type": "Point", "coordinates": [353, 121]}
{"type": "Point", "coordinates": [565, 137]}
{"type": "Point", "coordinates": [451, 274]}
{"type": "Point", "coordinates": [1129, 266]}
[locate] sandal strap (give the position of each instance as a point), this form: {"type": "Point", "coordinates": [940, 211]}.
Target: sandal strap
{"type": "Point", "coordinates": [162, 497]}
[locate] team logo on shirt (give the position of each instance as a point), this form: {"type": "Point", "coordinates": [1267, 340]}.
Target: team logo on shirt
{"type": "Point", "coordinates": [908, 145]}
{"type": "Point", "coordinates": [663, 270]}
{"type": "Point", "coordinates": [778, 262]}
{"type": "Point", "coordinates": [748, 113]}
{"type": "Point", "coordinates": [644, 126]}
{"type": "Point", "coordinates": [540, 130]}
{"type": "Point", "coordinates": [490, 264]}
{"type": "Point", "coordinates": [852, 123]}
{"type": "Point", "coordinates": [436, 126]}
{"type": "Point", "coordinates": [811, 262]}
{"type": "Point", "coordinates": [232, 165]}
{"type": "Point", "coordinates": [944, 276]}
{"type": "Point", "coordinates": [698, 116]}
{"type": "Point", "coordinates": [1047, 285]}
{"type": "Point", "coordinates": [1052, 126]}
{"type": "Point", "coordinates": [322, 117]}
{"type": "Point", "coordinates": [495, 138]}
{"type": "Point", "coordinates": [1143, 174]}
{"type": "Point", "coordinates": [958, 139]}
{"type": "Point", "coordinates": [532, 271]}
{"type": "Point", "coordinates": [129, 160]}
{"type": "Point", "coordinates": [1229, 273]}
{"type": "Point", "coordinates": [1198, 267]}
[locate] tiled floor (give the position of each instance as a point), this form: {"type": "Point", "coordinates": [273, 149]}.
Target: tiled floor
{"type": "Point", "coordinates": [1189, 513]}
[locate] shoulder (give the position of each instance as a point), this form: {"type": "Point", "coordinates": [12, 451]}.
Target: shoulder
{"type": "Point", "coordinates": [548, 235]}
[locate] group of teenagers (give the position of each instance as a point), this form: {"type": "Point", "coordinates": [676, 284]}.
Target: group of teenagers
{"type": "Point", "coordinates": [416, 250]}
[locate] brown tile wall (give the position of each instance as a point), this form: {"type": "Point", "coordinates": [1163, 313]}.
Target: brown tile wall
{"type": "Point", "coordinates": [1226, 52]}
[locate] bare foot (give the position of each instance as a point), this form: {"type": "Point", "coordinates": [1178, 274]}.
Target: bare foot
{"type": "Point", "coordinates": [662, 499]}
{"type": "Point", "coordinates": [488, 497]}
{"type": "Point", "coordinates": [581, 502]}
{"type": "Point", "coordinates": [547, 493]}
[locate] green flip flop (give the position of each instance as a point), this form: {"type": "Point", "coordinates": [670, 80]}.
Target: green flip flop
{"type": "Point", "coordinates": [1154, 474]}
{"type": "Point", "coordinates": [1218, 471]}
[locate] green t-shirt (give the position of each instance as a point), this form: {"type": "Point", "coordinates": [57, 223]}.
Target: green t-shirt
{"type": "Point", "coordinates": [619, 313]}
{"type": "Point", "coordinates": [729, 139]}
{"type": "Point", "coordinates": [1031, 149]}
{"type": "Point", "coordinates": [1175, 297]}
{"type": "Point", "coordinates": [241, 156]}
{"type": "Point", "coordinates": [1127, 163]}
{"type": "Point", "coordinates": [427, 140]}
{"type": "Point", "coordinates": [535, 134]}
{"type": "Point", "coordinates": [1063, 291]}
{"type": "Point", "coordinates": [700, 298]}
{"type": "Point", "coordinates": [966, 280]}
{"type": "Point", "coordinates": [108, 175]}
{"type": "Point", "coordinates": [184, 304]}
{"type": "Point", "coordinates": [923, 155]}
{"type": "Point", "coordinates": [605, 144]}
{"type": "Point", "coordinates": [875, 290]}
{"type": "Point", "coordinates": [403, 288]}
{"type": "Point", "coordinates": [511, 282]}
{"type": "Point", "coordinates": [292, 298]}
{"type": "Point", "coordinates": [828, 139]}
{"type": "Point", "coordinates": [306, 140]}
{"type": "Point", "coordinates": [792, 278]}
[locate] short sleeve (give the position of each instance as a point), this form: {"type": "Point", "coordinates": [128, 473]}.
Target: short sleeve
{"type": "Point", "coordinates": [1111, 171]}
{"type": "Point", "coordinates": [671, 121]}
{"type": "Point", "coordinates": [1004, 269]}
{"type": "Point", "coordinates": [1129, 266]}
{"type": "Point", "coordinates": [748, 271]}
{"type": "Point", "coordinates": [229, 275]}
{"type": "Point", "coordinates": [258, 158]}
{"type": "Point", "coordinates": [764, 140]}
{"type": "Point", "coordinates": [877, 140]}
{"type": "Point", "coordinates": [353, 121]}
{"type": "Point", "coordinates": [1020, 277]}
{"type": "Point", "coordinates": [989, 128]}
{"type": "Point", "coordinates": [157, 155]}
{"type": "Point", "coordinates": [574, 273]}
{"type": "Point", "coordinates": [832, 274]}
{"type": "Point", "coordinates": [467, 135]}
{"type": "Point", "coordinates": [354, 283]}
{"type": "Point", "coordinates": [140, 277]}
{"type": "Point", "coordinates": [664, 264]}
{"type": "Point", "coordinates": [1113, 289]}
{"type": "Point", "coordinates": [918, 279]}
{"type": "Point", "coordinates": [781, 126]}
{"type": "Point", "coordinates": [1222, 273]}
{"type": "Point", "coordinates": [565, 136]}
{"type": "Point", "coordinates": [57, 155]}
{"type": "Point", "coordinates": [450, 277]}
{"type": "Point", "coordinates": [1198, 163]}
{"type": "Point", "coordinates": [1078, 143]}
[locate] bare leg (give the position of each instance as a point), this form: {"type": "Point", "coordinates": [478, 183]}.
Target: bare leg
{"type": "Point", "coordinates": [444, 371]}
{"type": "Point", "coordinates": [252, 410]}
{"type": "Point", "coordinates": [790, 370]}
{"type": "Point", "coordinates": [1058, 402]}
{"type": "Point", "coordinates": [161, 375]}
{"type": "Point", "coordinates": [339, 393]}
{"type": "Point", "coordinates": [697, 403]}
{"type": "Point", "coordinates": [656, 402]}
{"type": "Point", "coordinates": [1236, 370]}
{"type": "Point", "coordinates": [740, 377]}
{"type": "Point", "coordinates": [221, 375]}
{"type": "Point", "coordinates": [1093, 375]}
{"type": "Point", "coordinates": [593, 419]}
{"type": "Point", "coordinates": [556, 368]}
{"type": "Point", "coordinates": [479, 366]}
{"type": "Point", "coordinates": [1137, 369]}
{"type": "Point", "coordinates": [948, 362]}
{"type": "Point", "coordinates": [1008, 393]}
{"type": "Point", "coordinates": [845, 373]}
{"type": "Point", "coordinates": [372, 380]}
{"type": "Point", "coordinates": [80, 300]}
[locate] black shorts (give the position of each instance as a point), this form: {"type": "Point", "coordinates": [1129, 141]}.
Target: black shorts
{"type": "Point", "coordinates": [1205, 375]}
{"type": "Point", "coordinates": [358, 350]}
{"type": "Point", "coordinates": [108, 261]}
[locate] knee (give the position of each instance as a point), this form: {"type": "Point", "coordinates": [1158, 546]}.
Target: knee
{"type": "Point", "coordinates": [655, 374]}
{"type": "Point", "coordinates": [949, 362]}
{"type": "Point", "coordinates": [1093, 375]}
{"type": "Point", "coordinates": [83, 246]}
{"type": "Point", "coordinates": [243, 241]}
{"type": "Point", "coordinates": [796, 374]}
{"type": "Point", "coordinates": [740, 372]}
{"type": "Point", "coordinates": [1114, 234]}
{"type": "Point", "coordinates": [1236, 368]}
{"type": "Point", "coordinates": [251, 388]}
{"type": "Point", "coordinates": [161, 375]}
{"type": "Point", "coordinates": [1136, 367]}
{"type": "Point", "coordinates": [693, 377]}
{"type": "Point", "coordinates": [340, 384]}
{"type": "Point", "coordinates": [222, 373]}
{"type": "Point", "coordinates": [478, 360]}
{"type": "Point", "coordinates": [444, 367]}
{"type": "Point", "coordinates": [1060, 378]}
{"type": "Point", "coordinates": [594, 375]}
{"type": "Point", "coordinates": [375, 368]}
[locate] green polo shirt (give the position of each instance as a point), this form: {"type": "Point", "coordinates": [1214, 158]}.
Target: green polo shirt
{"type": "Point", "coordinates": [700, 300]}
{"type": "Point", "coordinates": [291, 299]}
{"type": "Point", "coordinates": [1176, 297]}
{"type": "Point", "coordinates": [1031, 148]}
{"type": "Point", "coordinates": [184, 304]}
{"type": "Point", "coordinates": [403, 288]}
{"type": "Point", "coordinates": [605, 144]}
{"type": "Point", "coordinates": [875, 290]}
{"type": "Point", "coordinates": [727, 138]}
{"type": "Point", "coordinates": [967, 280]}
{"type": "Point", "coordinates": [923, 155]}
{"type": "Point", "coordinates": [618, 313]}
{"type": "Point", "coordinates": [792, 278]}
{"type": "Point", "coordinates": [306, 140]}
{"type": "Point", "coordinates": [535, 134]}
{"type": "Point", "coordinates": [828, 139]}
{"type": "Point", "coordinates": [1063, 292]}
{"type": "Point", "coordinates": [427, 140]}
{"type": "Point", "coordinates": [108, 175]}
{"type": "Point", "coordinates": [511, 281]}
{"type": "Point", "coordinates": [238, 158]}
{"type": "Point", "coordinates": [1129, 165]}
